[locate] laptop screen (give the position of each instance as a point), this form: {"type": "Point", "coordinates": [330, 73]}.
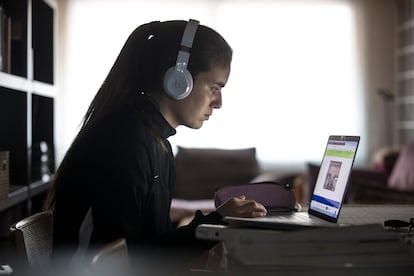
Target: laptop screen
{"type": "Point", "coordinates": [333, 177]}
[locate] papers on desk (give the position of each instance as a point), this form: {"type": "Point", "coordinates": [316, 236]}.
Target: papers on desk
{"type": "Point", "coordinates": [353, 246]}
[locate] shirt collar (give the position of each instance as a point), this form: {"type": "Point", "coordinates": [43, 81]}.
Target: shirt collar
{"type": "Point", "coordinates": [154, 117]}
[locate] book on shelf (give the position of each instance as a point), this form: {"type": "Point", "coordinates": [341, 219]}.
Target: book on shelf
{"type": "Point", "coordinates": [4, 174]}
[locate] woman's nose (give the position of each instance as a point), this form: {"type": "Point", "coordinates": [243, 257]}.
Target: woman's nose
{"type": "Point", "coordinates": [217, 102]}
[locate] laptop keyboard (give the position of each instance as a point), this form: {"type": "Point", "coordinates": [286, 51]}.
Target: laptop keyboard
{"type": "Point", "coordinates": [302, 216]}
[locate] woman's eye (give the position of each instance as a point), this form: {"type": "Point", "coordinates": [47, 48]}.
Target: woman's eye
{"type": "Point", "coordinates": [215, 89]}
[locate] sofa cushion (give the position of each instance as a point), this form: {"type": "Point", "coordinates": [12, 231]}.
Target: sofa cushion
{"type": "Point", "coordinates": [402, 175]}
{"type": "Point", "coordinates": [202, 171]}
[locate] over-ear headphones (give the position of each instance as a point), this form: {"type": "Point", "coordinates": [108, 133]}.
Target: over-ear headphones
{"type": "Point", "coordinates": [178, 81]}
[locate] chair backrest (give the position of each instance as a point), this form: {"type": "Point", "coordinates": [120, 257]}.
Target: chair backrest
{"type": "Point", "coordinates": [33, 239]}
{"type": "Point", "coordinates": [112, 259]}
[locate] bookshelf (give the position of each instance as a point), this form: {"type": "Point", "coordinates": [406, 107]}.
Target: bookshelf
{"type": "Point", "coordinates": [27, 101]}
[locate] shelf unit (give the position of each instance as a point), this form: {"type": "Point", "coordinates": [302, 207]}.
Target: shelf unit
{"type": "Point", "coordinates": [405, 76]}
{"type": "Point", "coordinates": [27, 97]}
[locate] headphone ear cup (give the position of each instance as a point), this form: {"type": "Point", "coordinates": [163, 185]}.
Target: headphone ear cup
{"type": "Point", "coordinates": [178, 85]}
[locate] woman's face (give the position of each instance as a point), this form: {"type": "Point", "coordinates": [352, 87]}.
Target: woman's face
{"type": "Point", "coordinates": [196, 108]}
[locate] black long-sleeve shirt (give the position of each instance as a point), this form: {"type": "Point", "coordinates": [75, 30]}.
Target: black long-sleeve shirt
{"type": "Point", "coordinates": [123, 169]}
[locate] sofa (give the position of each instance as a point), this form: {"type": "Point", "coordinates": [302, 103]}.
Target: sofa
{"type": "Point", "coordinates": [200, 172]}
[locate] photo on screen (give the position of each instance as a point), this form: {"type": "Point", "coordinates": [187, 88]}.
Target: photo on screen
{"type": "Point", "coordinates": [332, 175]}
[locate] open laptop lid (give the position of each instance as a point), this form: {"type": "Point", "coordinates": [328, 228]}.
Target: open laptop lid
{"type": "Point", "coordinates": [333, 178]}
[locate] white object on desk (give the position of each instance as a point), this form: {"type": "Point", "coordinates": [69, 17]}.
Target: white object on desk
{"type": "Point", "coordinates": [5, 270]}
{"type": "Point", "coordinates": [353, 246]}
{"type": "Point", "coordinates": [365, 244]}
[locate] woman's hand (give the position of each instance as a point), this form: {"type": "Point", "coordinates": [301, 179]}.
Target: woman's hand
{"type": "Point", "coordinates": [241, 207]}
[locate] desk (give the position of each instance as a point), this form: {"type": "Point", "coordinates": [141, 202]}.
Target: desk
{"type": "Point", "coordinates": [358, 214]}
{"type": "Point", "coordinates": [366, 247]}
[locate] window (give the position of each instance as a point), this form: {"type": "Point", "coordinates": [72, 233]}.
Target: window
{"type": "Point", "coordinates": [295, 74]}
{"type": "Point", "coordinates": [294, 80]}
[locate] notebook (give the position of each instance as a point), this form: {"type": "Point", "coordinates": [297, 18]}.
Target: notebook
{"type": "Point", "coordinates": [328, 194]}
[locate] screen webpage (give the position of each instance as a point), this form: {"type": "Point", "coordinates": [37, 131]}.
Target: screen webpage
{"type": "Point", "coordinates": [333, 177]}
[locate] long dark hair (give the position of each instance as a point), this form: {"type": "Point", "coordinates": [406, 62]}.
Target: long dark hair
{"type": "Point", "coordinates": [147, 54]}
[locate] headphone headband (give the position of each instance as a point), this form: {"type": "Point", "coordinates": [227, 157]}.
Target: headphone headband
{"type": "Point", "coordinates": [186, 44]}
{"type": "Point", "coordinates": [189, 33]}
{"type": "Point", "coordinates": [178, 81]}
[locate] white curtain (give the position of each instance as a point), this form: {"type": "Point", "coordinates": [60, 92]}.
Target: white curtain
{"type": "Point", "coordinates": [295, 79]}
{"type": "Point", "coordinates": [296, 74]}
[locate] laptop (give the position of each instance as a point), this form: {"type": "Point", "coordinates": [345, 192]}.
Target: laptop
{"type": "Point", "coordinates": [328, 194]}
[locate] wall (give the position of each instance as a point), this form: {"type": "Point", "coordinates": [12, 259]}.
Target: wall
{"type": "Point", "coordinates": [379, 21]}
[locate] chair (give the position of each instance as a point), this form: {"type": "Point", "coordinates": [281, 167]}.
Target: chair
{"type": "Point", "coordinates": [33, 239]}
{"type": "Point", "coordinates": [112, 259]}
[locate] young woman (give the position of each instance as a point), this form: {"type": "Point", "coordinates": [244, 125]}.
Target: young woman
{"type": "Point", "coordinates": [118, 175]}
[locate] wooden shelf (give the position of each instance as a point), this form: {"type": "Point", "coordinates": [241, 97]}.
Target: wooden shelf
{"type": "Point", "coordinates": [13, 82]}
{"type": "Point", "coordinates": [20, 193]}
